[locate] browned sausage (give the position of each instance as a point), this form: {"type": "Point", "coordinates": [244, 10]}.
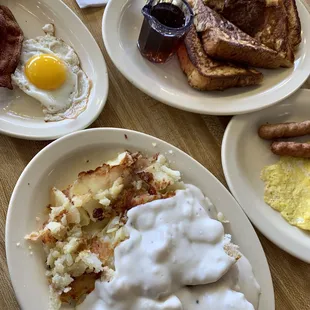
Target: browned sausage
{"type": "Point", "coordinates": [293, 149]}
{"type": "Point", "coordinates": [284, 130]}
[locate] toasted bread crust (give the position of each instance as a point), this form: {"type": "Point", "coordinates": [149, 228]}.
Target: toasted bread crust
{"type": "Point", "coordinates": [294, 25]}
{"type": "Point", "coordinates": [223, 40]}
{"type": "Point", "coordinates": [217, 5]}
{"type": "Point", "coordinates": [203, 73]}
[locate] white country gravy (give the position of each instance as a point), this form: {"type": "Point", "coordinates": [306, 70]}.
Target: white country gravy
{"type": "Point", "coordinates": [173, 243]}
{"type": "Point", "coordinates": [226, 293]}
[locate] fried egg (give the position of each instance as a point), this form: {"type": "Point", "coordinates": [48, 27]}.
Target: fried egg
{"type": "Point", "coordinates": [287, 189]}
{"type": "Point", "coordinates": [49, 71]}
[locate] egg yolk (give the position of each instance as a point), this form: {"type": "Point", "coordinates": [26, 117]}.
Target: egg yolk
{"type": "Point", "coordinates": [46, 71]}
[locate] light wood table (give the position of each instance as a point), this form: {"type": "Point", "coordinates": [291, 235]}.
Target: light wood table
{"type": "Point", "coordinates": [200, 136]}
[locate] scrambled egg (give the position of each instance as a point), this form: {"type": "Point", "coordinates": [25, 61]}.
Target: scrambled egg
{"type": "Point", "coordinates": [287, 189]}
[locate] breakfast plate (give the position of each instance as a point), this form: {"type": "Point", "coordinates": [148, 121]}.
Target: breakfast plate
{"type": "Point", "coordinates": [167, 83]}
{"type": "Point", "coordinates": [58, 165]}
{"type": "Point", "coordinates": [245, 154]}
{"type": "Point", "coordinates": [21, 115]}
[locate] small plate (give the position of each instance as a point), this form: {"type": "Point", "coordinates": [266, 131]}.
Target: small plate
{"type": "Point", "coordinates": [168, 84]}
{"type": "Point", "coordinates": [58, 165]}
{"type": "Point", "coordinates": [20, 115]}
{"type": "Point", "coordinates": [244, 155]}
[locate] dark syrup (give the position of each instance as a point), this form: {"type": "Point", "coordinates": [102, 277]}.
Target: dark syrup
{"type": "Point", "coordinates": [157, 45]}
{"type": "Point", "coordinates": [169, 15]}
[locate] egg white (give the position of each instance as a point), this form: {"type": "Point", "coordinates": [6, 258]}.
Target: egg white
{"type": "Point", "coordinates": [71, 98]}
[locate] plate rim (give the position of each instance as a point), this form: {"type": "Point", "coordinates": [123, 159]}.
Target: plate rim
{"type": "Point", "coordinates": [104, 85]}
{"type": "Point", "coordinates": [269, 231]}
{"type": "Point", "coordinates": [12, 204]}
{"type": "Point", "coordinates": [300, 77]}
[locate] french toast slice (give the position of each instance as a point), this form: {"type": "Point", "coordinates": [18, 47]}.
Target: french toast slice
{"type": "Point", "coordinates": [223, 40]}
{"type": "Point", "coordinates": [274, 33]}
{"type": "Point", "coordinates": [204, 73]}
{"type": "Point", "coordinates": [247, 15]}
{"type": "Point", "coordinates": [294, 25]}
{"type": "Point", "coordinates": [275, 23]}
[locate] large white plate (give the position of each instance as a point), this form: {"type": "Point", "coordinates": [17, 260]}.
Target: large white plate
{"type": "Point", "coordinates": [244, 155]}
{"type": "Point", "coordinates": [32, 15]}
{"type": "Point", "coordinates": [60, 162]}
{"type": "Point", "coordinates": [121, 27]}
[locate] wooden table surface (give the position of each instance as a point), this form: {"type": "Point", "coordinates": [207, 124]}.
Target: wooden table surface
{"type": "Point", "coordinates": [200, 136]}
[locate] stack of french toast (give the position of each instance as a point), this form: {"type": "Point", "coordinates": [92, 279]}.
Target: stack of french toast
{"type": "Point", "coordinates": [229, 38]}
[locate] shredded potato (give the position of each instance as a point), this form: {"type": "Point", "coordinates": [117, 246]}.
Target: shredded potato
{"type": "Point", "coordinates": [86, 221]}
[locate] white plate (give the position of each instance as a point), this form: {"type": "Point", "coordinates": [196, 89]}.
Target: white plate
{"type": "Point", "coordinates": [244, 155]}
{"type": "Point", "coordinates": [168, 84]}
{"type": "Point", "coordinates": [60, 162]}
{"type": "Point", "coordinates": [32, 15]}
